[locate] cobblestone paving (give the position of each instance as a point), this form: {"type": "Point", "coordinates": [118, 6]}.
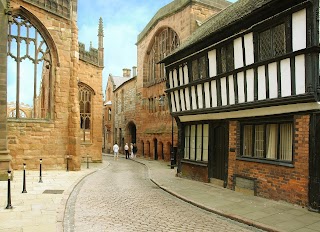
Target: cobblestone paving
{"type": "Point", "coordinates": [122, 198]}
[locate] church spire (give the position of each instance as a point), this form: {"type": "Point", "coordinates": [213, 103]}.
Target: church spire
{"type": "Point", "coordinates": [100, 45]}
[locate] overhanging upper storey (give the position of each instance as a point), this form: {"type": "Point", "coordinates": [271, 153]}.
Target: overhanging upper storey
{"type": "Point", "coordinates": [268, 57]}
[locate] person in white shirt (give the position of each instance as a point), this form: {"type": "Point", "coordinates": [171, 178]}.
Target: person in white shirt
{"type": "Point", "coordinates": [126, 150]}
{"type": "Point", "coordinates": [115, 151]}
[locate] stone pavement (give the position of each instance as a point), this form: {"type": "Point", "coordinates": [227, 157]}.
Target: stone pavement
{"type": "Point", "coordinates": [259, 212]}
{"type": "Point", "coordinates": [37, 211]}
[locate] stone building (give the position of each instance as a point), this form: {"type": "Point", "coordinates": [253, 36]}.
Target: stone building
{"type": "Point", "coordinates": [44, 67]}
{"type": "Point", "coordinates": [147, 120]}
{"type": "Point", "coordinates": [245, 90]}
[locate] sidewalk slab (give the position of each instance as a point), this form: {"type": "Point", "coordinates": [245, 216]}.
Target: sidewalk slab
{"type": "Point", "coordinates": [262, 213]}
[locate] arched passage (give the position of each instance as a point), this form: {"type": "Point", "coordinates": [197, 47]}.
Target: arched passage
{"type": "Point", "coordinates": [132, 132]}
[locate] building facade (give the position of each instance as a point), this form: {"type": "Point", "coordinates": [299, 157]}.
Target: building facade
{"type": "Point", "coordinates": [52, 106]}
{"type": "Point", "coordinates": [156, 130]}
{"type": "Point", "coordinates": [244, 89]}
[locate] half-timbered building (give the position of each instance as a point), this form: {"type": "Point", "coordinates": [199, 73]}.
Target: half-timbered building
{"type": "Point", "coordinates": [244, 90]}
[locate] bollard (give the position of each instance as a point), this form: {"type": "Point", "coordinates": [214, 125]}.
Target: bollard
{"type": "Point", "coordinates": [24, 179]}
{"type": "Point", "coordinates": [87, 161]}
{"type": "Point", "coordinates": [40, 178]}
{"type": "Point", "coordinates": [9, 206]}
{"type": "Point", "coordinates": [67, 163]}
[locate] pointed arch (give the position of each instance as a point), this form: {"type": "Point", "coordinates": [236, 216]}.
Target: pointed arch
{"type": "Point", "coordinates": [164, 41]}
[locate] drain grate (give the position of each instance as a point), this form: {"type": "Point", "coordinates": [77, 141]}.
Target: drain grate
{"type": "Point", "coordinates": [48, 191]}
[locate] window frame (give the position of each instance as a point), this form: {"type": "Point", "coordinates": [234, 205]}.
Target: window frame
{"type": "Point", "coordinates": [265, 123]}
{"type": "Point", "coordinates": [287, 22]}
{"type": "Point", "coordinates": [191, 145]}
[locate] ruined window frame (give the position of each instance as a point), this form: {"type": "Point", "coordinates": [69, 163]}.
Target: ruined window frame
{"type": "Point", "coordinates": [29, 33]}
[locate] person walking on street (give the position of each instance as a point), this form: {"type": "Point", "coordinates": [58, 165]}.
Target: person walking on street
{"type": "Point", "coordinates": [126, 150]}
{"type": "Point", "coordinates": [115, 151]}
{"type": "Point", "coordinates": [135, 149]}
{"type": "Point", "coordinates": [131, 150]}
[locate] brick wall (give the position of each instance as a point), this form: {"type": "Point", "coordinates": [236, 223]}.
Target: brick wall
{"type": "Point", "coordinates": [275, 181]}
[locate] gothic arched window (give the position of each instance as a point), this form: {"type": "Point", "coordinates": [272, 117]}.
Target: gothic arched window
{"type": "Point", "coordinates": [163, 43]}
{"type": "Point", "coordinates": [85, 102]}
{"type": "Point", "coordinates": [29, 69]}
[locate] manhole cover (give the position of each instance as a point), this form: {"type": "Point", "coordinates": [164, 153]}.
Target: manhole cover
{"type": "Point", "coordinates": [53, 191]}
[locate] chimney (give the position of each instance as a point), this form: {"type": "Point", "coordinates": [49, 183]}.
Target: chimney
{"type": "Point", "coordinates": [126, 72]}
{"type": "Point", "coordinates": [134, 71]}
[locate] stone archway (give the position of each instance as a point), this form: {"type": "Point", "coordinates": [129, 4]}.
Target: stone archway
{"type": "Point", "coordinates": [132, 132]}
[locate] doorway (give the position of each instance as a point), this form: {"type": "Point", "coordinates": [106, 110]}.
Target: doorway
{"type": "Point", "coordinates": [218, 153]}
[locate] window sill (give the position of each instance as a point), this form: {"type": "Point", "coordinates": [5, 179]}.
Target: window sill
{"type": "Point", "coordinates": [199, 163]}
{"type": "Point", "coordinates": [266, 161]}
{"type": "Point", "coordinates": [87, 144]}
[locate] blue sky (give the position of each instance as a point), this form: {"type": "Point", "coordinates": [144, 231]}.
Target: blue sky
{"type": "Point", "coordinates": [123, 20]}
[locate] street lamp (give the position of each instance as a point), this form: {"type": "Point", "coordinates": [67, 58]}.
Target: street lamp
{"type": "Point", "coordinates": [161, 103]}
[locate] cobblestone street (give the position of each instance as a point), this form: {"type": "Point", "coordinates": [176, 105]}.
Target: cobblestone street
{"type": "Point", "coordinates": [121, 198]}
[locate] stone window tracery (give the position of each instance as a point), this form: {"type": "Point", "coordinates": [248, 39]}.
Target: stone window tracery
{"type": "Point", "coordinates": [85, 102]}
{"type": "Point", "coordinates": [162, 45]}
{"type": "Point", "coordinates": [29, 69]}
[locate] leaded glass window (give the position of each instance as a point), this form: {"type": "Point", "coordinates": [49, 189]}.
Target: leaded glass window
{"type": "Point", "coordinates": [226, 58]}
{"type": "Point", "coordinates": [272, 42]}
{"type": "Point", "coordinates": [29, 69]}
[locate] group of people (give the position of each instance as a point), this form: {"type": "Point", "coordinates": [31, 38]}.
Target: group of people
{"type": "Point", "coordinates": [129, 151]}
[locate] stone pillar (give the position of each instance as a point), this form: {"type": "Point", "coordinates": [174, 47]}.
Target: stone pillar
{"type": "Point", "coordinates": [5, 158]}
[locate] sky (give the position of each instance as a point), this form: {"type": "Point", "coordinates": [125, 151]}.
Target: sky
{"type": "Point", "coordinates": [123, 20]}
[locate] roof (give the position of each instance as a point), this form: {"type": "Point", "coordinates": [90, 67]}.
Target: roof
{"type": "Point", "coordinates": [233, 13]}
{"type": "Point", "coordinates": [175, 6]}
{"type": "Point", "coordinates": [118, 81]}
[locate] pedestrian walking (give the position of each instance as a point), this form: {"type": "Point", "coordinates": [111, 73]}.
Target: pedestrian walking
{"type": "Point", "coordinates": [126, 150]}
{"type": "Point", "coordinates": [115, 151]}
{"type": "Point", "coordinates": [131, 150]}
{"type": "Point", "coordinates": [135, 149]}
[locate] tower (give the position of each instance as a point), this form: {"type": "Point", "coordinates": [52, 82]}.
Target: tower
{"type": "Point", "coordinates": [100, 45]}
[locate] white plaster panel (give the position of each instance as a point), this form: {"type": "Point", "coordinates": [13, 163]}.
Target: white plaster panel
{"type": "Point", "coordinates": [181, 76]}
{"type": "Point", "coordinates": [250, 85]}
{"type": "Point", "coordinates": [214, 93]}
{"type": "Point", "coordinates": [170, 79]}
{"type": "Point", "coordinates": [176, 94]}
{"type": "Point", "coordinates": [240, 80]}
{"type": "Point", "coordinates": [212, 55]}
{"type": "Point", "coordinates": [273, 80]}
{"type": "Point", "coordinates": [172, 103]}
{"type": "Point", "coordinates": [187, 96]}
{"type": "Point", "coordinates": [285, 77]}
{"type": "Point", "coordinates": [248, 45]}
{"type": "Point", "coordinates": [231, 90]}
{"type": "Point", "coordinates": [262, 94]}
{"type": "Point", "coordinates": [175, 78]}
{"type": "Point", "coordinates": [207, 94]}
{"type": "Point", "coordinates": [223, 85]}
{"type": "Point", "coordinates": [183, 105]}
{"type": "Point", "coordinates": [200, 96]}
{"type": "Point", "coordinates": [299, 30]}
{"type": "Point", "coordinates": [300, 74]}
{"type": "Point", "coordinates": [238, 53]}
{"type": "Point", "coordinates": [186, 75]}
{"type": "Point", "coordinates": [193, 97]}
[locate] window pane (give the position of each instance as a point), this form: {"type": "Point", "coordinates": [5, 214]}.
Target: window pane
{"type": "Point", "coordinates": [205, 142]}
{"type": "Point", "coordinates": [193, 142]}
{"type": "Point", "coordinates": [223, 60]}
{"type": "Point", "coordinates": [272, 141]}
{"type": "Point", "coordinates": [186, 142]}
{"type": "Point", "coordinates": [259, 141]}
{"type": "Point", "coordinates": [203, 67]}
{"type": "Point", "coordinates": [285, 142]}
{"type": "Point", "coordinates": [247, 140]}
{"type": "Point", "coordinates": [279, 40]}
{"type": "Point", "coordinates": [195, 75]}
{"type": "Point", "coordinates": [199, 142]}
{"type": "Point", "coordinates": [265, 45]}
